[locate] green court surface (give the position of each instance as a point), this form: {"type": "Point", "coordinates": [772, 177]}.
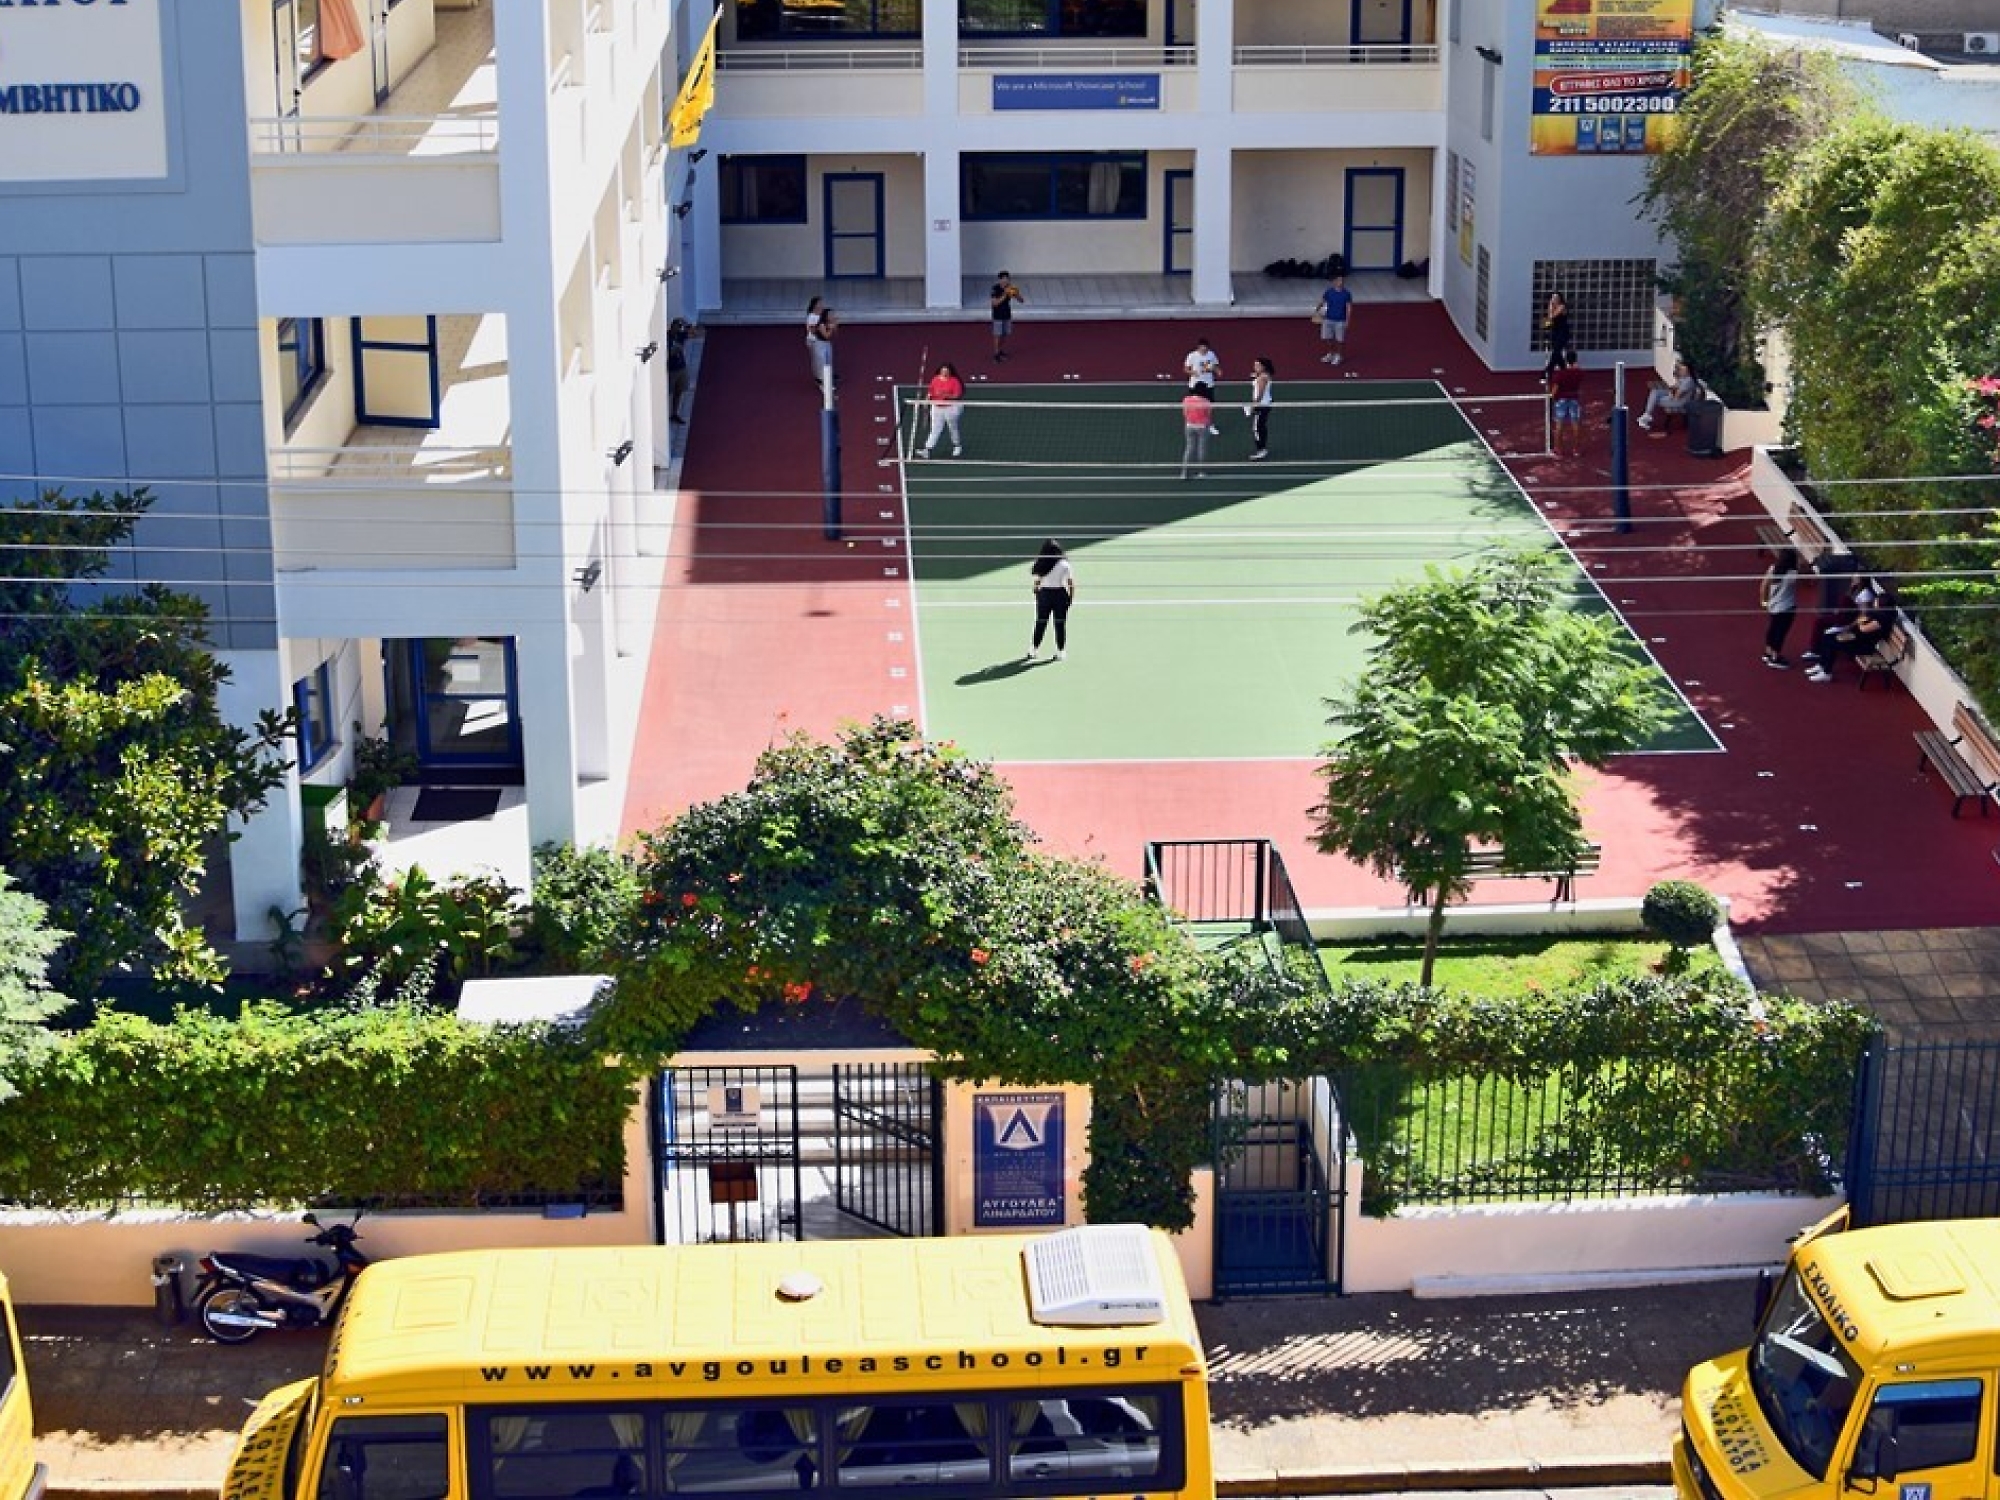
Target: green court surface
{"type": "Point", "coordinates": [1213, 615]}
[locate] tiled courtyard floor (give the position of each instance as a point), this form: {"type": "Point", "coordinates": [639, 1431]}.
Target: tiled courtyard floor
{"type": "Point", "coordinates": [1938, 984]}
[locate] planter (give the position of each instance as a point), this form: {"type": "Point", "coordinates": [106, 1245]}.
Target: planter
{"type": "Point", "coordinates": [1742, 428]}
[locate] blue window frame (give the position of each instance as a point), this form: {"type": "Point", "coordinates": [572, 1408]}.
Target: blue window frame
{"type": "Point", "coordinates": [301, 364]}
{"type": "Point", "coordinates": [1052, 185]}
{"type": "Point", "coordinates": [762, 189]}
{"type": "Point", "coordinates": [827, 20]}
{"type": "Point", "coordinates": [312, 697]}
{"type": "Point", "coordinates": [1120, 18]}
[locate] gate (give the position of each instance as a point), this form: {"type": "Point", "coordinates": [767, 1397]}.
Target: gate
{"type": "Point", "coordinates": [726, 1142]}
{"type": "Point", "coordinates": [1925, 1142]}
{"type": "Point", "coordinates": [1280, 1187]}
{"type": "Point", "coordinates": [887, 1169]}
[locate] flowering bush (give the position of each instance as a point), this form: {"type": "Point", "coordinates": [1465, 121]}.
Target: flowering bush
{"type": "Point", "coordinates": [1987, 388]}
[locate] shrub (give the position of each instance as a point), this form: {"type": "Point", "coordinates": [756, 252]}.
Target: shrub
{"type": "Point", "coordinates": [584, 899]}
{"type": "Point", "coordinates": [393, 924]}
{"type": "Point", "coordinates": [1683, 914]}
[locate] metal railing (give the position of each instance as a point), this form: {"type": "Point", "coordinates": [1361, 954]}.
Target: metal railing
{"type": "Point", "coordinates": [1039, 55]}
{"type": "Point", "coordinates": [386, 135]}
{"type": "Point", "coordinates": [1243, 882]}
{"type": "Point", "coordinates": [821, 60]}
{"type": "Point", "coordinates": [373, 465]}
{"type": "Point", "coordinates": [1373, 55]}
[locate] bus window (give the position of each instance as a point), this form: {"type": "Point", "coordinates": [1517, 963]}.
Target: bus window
{"type": "Point", "coordinates": [386, 1458]}
{"type": "Point", "coordinates": [565, 1451]}
{"type": "Point", "coordinates": [728, 1451]}
{"type": "Point", "coordinates": [1114, 1436]}
{"type": "Point", "coordinates": [910, 1442]}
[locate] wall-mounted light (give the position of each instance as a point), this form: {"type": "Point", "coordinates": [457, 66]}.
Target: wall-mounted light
{"type": "Point", "coordinates": [622, 452]}
{"type": "Point", "coordinates": [683, 208]}
{"type": "Point", "coordinates": [1490, 54]}
{"type": "Point", "coordinates": [668, 273]}
{"type": "Point", "coordinates": [696, 155]}
{"type": "Point", "coordinates": [586, 576]}
{"type": "Point", "coordinates": [647, 351]}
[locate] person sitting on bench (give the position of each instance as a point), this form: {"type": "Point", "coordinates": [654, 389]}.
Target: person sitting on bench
{"type": "Point", "coordinates": [1672, 398]}
{"type": "Point", "coordinates": [1874, 618]}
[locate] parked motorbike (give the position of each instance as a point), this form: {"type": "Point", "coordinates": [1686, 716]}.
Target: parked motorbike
{"type": "Point", "coordinates": [240, 1296]}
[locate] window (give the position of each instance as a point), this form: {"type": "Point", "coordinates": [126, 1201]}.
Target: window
{"type": "Point", "coordinates": [301, 364]}
{"type": "Point", "coordinates": [386, 1458]}
{"type": "Point", "coordinates": [312, 697]}
{"type": "Point", "coordinates": [7, 1370]}
{"type": "Point", "coordinates": [1451, 190]}
{"type": "Point", "coordinates": [1610, 301]}
{"type": "Point", "coordinates": [1078, 186]}
{"type": "Point", "coordinates": [845, 20]}
{"type": "Point", "coordinates": [763, 189]}
{"type": "Point", "coordinates": [1935, 1423]}
{"type": "Point", "coordinates": [1099, 18]}
{"type": "Point", "coordinates": [306, 36]}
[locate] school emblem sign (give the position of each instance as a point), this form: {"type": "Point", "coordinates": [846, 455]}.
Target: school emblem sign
{"type": "Point", "coordinates": [80, 91]}
{"type": "Point", "coordinates": [1017, 1160]}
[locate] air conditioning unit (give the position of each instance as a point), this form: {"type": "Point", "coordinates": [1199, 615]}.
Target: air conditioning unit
{"type": "Point", "coordinates": [1982, 43]}
{"type": "Point", "coordinates": [1910, 41]}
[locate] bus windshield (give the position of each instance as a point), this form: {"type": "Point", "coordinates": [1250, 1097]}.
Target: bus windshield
{"type": "Point", "coordinates": [1803, 1378]}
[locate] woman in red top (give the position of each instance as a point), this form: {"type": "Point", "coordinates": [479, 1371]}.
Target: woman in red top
{"type": "Point", "coordinates": [947, 395]}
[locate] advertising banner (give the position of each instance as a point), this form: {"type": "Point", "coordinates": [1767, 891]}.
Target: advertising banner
{"type": "Point", "coordinates": [1609, 75]}
{"type": "Point", "coordinates": [80, 92]}
{"type": "Point", "coordinates": [1076, 91]}
{"type": "Point", "coordinates": [1017, 1160]}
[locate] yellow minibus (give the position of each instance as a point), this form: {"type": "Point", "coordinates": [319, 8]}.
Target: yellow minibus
{"type": "Point", "coordinates": [1872, 1372]}
{"type": "Point", "coordinates": [20, 1475]}
{"type": "Point", "coordinates": [1065, 1364]}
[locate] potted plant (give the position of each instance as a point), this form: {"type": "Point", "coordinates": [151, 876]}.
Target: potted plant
{"type": "Point", "coordinates": [380, 766]}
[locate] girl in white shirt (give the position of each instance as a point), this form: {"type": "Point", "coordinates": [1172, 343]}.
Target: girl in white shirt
{"type": "Point", "coordinates": [1259, 409]}
{"type": "Point", "coordinates": [1054, 583]}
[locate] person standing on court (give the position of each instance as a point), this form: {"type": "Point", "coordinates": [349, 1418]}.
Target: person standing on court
{"type": "Point", "coordinates": [1555, 322]}
{"type": "Point", "coordinates": [1003, 297]}
{"type": "Point", "coordinates": [1054, 583]}
{"type": "Point", "coordinates": [1198, 418]}
{"type": "Point", "coordinates": [1203, 367]}
{"type": "Point", "coordinates": [1779, 594]}
{"type": "Point", "coordinates": [819, 339]}
{"type": "Point", "coordinates": [1336, 303]}
{"type": "Point", "coordinates": [1259, 409]}
{"type": "Point", "coordinates": [1566, 406]}
{"type": "Point", "coordinates": [947, 394]}
{"type": "Point", "coordinates": [812, 340]}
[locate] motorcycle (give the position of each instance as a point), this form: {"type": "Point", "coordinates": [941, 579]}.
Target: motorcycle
{"type": "Point", "coordinates": [240, 1296]}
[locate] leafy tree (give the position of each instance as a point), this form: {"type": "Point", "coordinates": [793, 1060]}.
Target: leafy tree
{"type": "Point", "coordinates": [27, 998]}
{"type": "Point", "coordinates": [1751, 110]}
{"type": "Point", "coordinates": [1479, 692]}
{"type": "Point", "coordinates": [116, 767]}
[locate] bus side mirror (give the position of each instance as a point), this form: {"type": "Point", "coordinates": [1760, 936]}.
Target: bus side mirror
{"type": "Point", "coordinates": [1767, 1287]}
{"type": "Point", "coordinates": [1875, 1455]}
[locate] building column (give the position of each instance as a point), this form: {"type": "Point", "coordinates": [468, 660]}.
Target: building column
{"type": "Point", "coordinates": [1214, 212]}
{"type": "Point", "coordinates": [264, 858]}
{"type": "Point", "coordinates": [542, 682]}
{"type": "Point", "coordinates": [944, 256]}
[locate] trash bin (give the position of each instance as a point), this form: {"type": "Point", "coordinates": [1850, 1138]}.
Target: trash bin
{"type": "Point", "coordinates": [1704, 420]}
{"type": "Point", "coordinates": [169, 1300]}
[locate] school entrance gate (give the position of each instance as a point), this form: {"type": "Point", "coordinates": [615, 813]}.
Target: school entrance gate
{"type": "Point", "coordinates": [1280, 1187]}
{"type": "Point", "coordinates": [747, 1152]}
{"type": "Point", "coordinates": [1925, 1143]}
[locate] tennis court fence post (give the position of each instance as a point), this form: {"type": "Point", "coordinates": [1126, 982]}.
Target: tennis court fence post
{"type": "Point", "coordinates": [829, 460]}
{"type": "Point", "coordinates": [1621, 469]}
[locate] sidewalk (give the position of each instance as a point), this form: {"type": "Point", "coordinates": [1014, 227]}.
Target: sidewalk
{"type": "Point", "coordinates": [1311, 1396]}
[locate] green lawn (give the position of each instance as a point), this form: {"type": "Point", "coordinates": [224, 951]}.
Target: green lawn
{"type": "Point", "coordinates": [1498, 966]}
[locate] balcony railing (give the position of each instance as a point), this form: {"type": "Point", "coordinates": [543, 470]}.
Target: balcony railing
{"type": "Point", "coordinates": [1402, 54]}
{"type": "Point", "coordinates": [385, 135]}
{"type": "Point", "coordinates": [1039, 55]}
{"type": "Point", "coordinates": [372, 465]}
{"type": "Point", "coordinates": [822, 60]}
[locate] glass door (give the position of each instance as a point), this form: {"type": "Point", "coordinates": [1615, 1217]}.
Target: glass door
{"type": "Point", "coordinates": [465, 701]}
{"type": "Point", "coordinates": [853, 203]}
{"type": "Point", "coordinates": [1178, 257]}
{"type": "Point", "coordinates": [1374, 218]}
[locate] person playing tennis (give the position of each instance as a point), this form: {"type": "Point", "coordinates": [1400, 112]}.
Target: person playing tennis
{"type": "Point", "coordinates": [1054, 583]}
{"type": "Point", "coordinates": [947, 394]}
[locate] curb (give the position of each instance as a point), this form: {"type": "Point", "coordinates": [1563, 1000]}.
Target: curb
{"type": "Point", "coordinates": [132, 1489]}
{"type": "Point", "coordinates": [1512, 1475]}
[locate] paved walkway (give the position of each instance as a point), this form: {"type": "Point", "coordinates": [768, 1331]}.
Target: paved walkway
{"type": "Point", "coordinates": [1927, 984]}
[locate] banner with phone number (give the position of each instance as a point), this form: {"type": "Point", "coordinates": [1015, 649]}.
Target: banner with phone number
{"type": "Point", "coordinates": [1609, 75]}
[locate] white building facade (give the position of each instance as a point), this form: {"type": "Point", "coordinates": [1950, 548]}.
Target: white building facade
{"type": "Point", "coordinates": [369, 293]}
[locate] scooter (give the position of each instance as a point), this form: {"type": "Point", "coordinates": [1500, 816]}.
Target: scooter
{"type": "Point", "coordinates": [240, 1296]}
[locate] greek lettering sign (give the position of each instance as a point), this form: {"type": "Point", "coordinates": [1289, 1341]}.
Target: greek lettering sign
{"type": "Point", "coordinates": [1076, 91]}
{"type": "Point", "coordinates": [735, 1106]}
{"type": "Point", "coordinates": [80, 91]}
{"type": "Point", "coordinates": [1609, 75]}
{"type": "Point", "coordinates": [1017, 1160]}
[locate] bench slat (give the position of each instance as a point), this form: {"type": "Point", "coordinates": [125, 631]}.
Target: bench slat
{"type": "Point", "coordinates": [1952, 755]}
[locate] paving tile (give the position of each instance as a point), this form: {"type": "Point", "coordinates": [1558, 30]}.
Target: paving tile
{"type": "Point", "coordinates": [1864, 942]}
{"type": "Point", "coordinates": [1962, 961]}
{"type": "Point", "coordinates": [1823, 942]}
{"type": "Point", "coordinates": [1907, 962]}
{"type": "Point", "coordinates": [1945, 939]}
{"type": "Point", "coordinates": [1905, 942]}
{"type": "Point", "coordinates": [1779, 945]}
{"type": "Point", "coordinates": [1869, 966]}
{"type": "Point", "coordinates": [1925, 986]}
{"type": "Point", "coordinates": [1939, 1011]}
{"type": "Point", "coordinates": [1968, 986]}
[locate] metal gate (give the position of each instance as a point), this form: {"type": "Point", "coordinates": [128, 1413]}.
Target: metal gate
{"type": "Point", "coordinates": [1280, 1187]}
{"type": "Point", "coordinates": [726, 1141]}
{"type": "Point", "coordinates": [1925, 1143]}
{"type": "Point", "coordinates": [887, 1169]}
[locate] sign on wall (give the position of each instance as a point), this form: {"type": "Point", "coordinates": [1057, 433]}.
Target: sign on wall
{"type": "Point", "coordinates": [81, 94]}
{"type": "Point", "coordinates": [1609, 75]}
{"type": "Point", "coordinates": [1076, 91]}
{"type": "Point", "coordinates": [1017, 1160]}
{"type": "Point", "coordinates": [1468, 206]}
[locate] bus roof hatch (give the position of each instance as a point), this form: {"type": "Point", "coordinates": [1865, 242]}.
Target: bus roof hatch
{"type": "Point", "coordinates": [1098, 1275]}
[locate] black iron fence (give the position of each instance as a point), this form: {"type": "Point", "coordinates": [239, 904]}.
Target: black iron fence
{"type": "Point", "coordinates": [1210, 880]}
{"type": "Point", "coordinates": [1925, 1143]}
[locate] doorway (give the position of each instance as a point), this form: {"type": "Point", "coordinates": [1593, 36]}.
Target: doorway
{"type": "Point", "coordinates": [378, 48]}
{"type": "Point", "coordinates": [1380, 23]}
{"type": "Point", "coordinates": [396, 371]}
{"type": "Point", "coordinates": [460, 698]}
{"type": "Point", "coordinates": [853, 219]}
{"type": "Point", "coordinates": [1177, 253]}
{"type": "Point", "coordinates": [1374, 218]}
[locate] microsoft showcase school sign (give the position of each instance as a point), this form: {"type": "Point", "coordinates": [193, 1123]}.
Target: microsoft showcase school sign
{"type": "Point", "coordinates": [80, 90]}
{"type": "Point", "coordinates": [1076, 91]}
{"type": "Point", "coordinates": [1017, 1160]}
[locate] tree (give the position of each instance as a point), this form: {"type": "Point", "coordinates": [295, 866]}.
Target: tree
{"type": "Point", "coordinates": [1481, 689]}
{"type": "Point", "coordinates": [1751, 110]}
{"type": "Point", "coordinates": [116, 766]}
{"type": "Point", "coordinates": [27, 999]}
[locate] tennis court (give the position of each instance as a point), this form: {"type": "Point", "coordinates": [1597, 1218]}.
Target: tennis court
{"type": "Point", "coordinates": [1214, 613]}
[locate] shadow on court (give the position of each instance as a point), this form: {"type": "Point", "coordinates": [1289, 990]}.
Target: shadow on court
{"type": "Point", "coordinates": [1001, 671]}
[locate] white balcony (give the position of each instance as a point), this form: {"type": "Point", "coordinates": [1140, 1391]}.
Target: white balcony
{"type": "Point", "coordinates": [804, 82]}
{"type": "Point", "coordinates": [382, 507]}
{"type": "Point", "coordinates": [1336, 79]}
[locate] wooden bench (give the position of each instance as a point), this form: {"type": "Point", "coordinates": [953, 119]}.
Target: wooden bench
{"type": "Point", "coordinates": [1801, 533]}
{"type": "Point", "coordinates": [1490, 864]}
{"type": "Point", "coordinates": [1968, 759]}
{"type": "Point", "coordinates": [1886, 656]}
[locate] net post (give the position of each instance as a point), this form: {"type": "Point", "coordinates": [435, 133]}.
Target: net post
{"type": "Point", "coordinates": [1621, 472]}
{"type": "Point", "coordinates": [829, 460]}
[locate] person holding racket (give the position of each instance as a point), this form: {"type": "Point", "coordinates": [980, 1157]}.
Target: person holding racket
{"type": "Point", "coordinates": [947, 395]}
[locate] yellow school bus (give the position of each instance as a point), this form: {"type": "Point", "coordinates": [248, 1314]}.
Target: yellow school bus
{"type": "Point", "coordinates": [1873, 1372]}
{"type": "Point", "coordinates": [1065, 1364]}
{"type": "Point", "coordinates": [20, 1475]}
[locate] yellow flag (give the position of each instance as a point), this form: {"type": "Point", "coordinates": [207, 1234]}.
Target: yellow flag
{"type": "Point", "coordinates": [697, 93]}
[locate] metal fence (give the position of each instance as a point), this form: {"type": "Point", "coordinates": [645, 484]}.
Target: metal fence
{"type": "Point", "coordinates": [1925, 1142]}
{"type": "Point", "coordinates": [1638, 1124]}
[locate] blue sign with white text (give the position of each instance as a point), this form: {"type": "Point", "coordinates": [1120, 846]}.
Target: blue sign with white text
{"type": "Point", "coordinates": [1017, 1160]}
{"type": "Point", "coordinates": [1076, 91]}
